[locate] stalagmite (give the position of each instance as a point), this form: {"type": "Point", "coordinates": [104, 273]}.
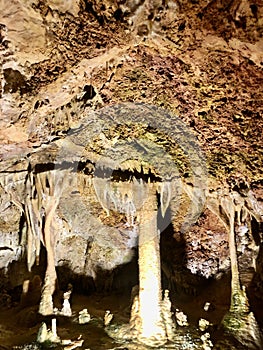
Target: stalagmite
{"type": "Point", "coordinates": [167, 316]}
{"type": "Point", "coordinates": [66, 309]}
{"type": "Point", "coordinates": [54, 327]}
{"type": "Point", "coordinates": [107, 318]}
{"type": "Point", "coordinates": [84, 316]}
{"type": "Point", "coordinates": [207, 344]}
{"type": "Point", "coordinates": [203, 324]}
{"type": "Point", "coordinates": [46, 335]}
{"type": "Point", "coordinates": [181, 318]}
{"type": "Point", "coordinates": [42, 333]}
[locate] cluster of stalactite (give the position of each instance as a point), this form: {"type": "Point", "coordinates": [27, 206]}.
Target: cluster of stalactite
{"type": "Point", "coordinates": [127, 197]}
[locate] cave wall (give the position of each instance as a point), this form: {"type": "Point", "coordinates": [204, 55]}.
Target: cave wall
{"type": "Point", "coordinates": [62, 60]}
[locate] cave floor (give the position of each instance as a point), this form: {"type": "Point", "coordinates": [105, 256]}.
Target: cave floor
{"type": "Point", "coordinates": [20, 326]}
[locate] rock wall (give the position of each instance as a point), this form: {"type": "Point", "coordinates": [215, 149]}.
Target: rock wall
{"type": "Point", "coordinates": [62, 60]}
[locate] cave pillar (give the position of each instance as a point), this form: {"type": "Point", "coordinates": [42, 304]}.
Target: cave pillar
{"type": "Point", "coordinates": [46, 302]}
{"type": "Point", "coordinates": [239, 301]}
{"type": "Point", "coordinates": [235, 283]}
{"type": "Point", "coordinates": [151, 325]}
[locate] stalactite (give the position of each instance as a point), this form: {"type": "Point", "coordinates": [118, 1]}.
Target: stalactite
{"type": "Point", "coordinates": [42, 193]}
{"type": "Point", "coordinates": [130, 213]}
{"type": "Point", "coordinates": [38, 226]}
{"type": "Point", "coordinates": [31, 235]}
{"type": "Point", "coordinates": [103, 194]}
{"type": "Point", "coordinates": [165, 196]}
{"type": "Point", "coordinates": [30, 252]}
{"type": "Point", "coordinates": [17, 202]}
{"type": "Point", "coordinates": [33, 219]}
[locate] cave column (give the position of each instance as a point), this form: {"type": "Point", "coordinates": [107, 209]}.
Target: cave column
{"type": "Point", "coordinates": [152, 329]}
{"type": "Point", "coordinates": [50, 199]}
{"type": "Point", "coordinates": [46, 303]}
{"type": "Point", "coordinates": [235, 284]}
{"type": "Point", "coordinates": [239, 302]}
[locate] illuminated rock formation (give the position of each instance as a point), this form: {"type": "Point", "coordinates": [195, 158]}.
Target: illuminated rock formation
{"type": "Point", "coordinates": [152, 327]}
{"type": "Point", "coordinates": [150, 322]}
{"type": "Point", "coordinates": [239, 321]}
{"type": "Point", "coordinates": [50, 200]}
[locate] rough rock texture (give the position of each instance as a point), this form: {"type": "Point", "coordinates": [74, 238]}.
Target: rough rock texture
{"type": "Point", "coordinates": [200, 61]}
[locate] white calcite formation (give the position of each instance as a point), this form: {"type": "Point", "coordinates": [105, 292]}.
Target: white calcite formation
{"type": "Point", "coordinates": [181, 318]}
{"type": "Point", "coordinates": [203, 324]}
{"type": "Point", "coordinates": [84, 316]}
{"type": "Point", "coordinates": [207, 344]}
{"type": "Point", "coordinates": [46, 335]}
{"type": "Point", "coordinates": [167, 316]}
{"type": "Point", "coordinates": [207, 306]}
{"type": "Point", "coordinates": [66, 309]}
{"type": "Point", "coordinates": [107, 318]}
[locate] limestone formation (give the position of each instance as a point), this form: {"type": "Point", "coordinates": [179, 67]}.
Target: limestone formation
{"type": "Point", "coordinates": [181, 318]}
{"type": "Point", "coordinates": [47, 336]}
{"type": "Point", "coordinates": [84, 317]}
{"type": "Point", "coordinates": [129, 98]}
{"type": "Point", "coordinates": [207, 344]}
{"type": "Point", "coordinates": [239, 321]}
{"type": "Point", "coordinates": [152, 329]}
{"type": "Point", "coordinates": [203, 324]}
{"type": "Point", "coordinates": [50, 200]}
{"type": "Point", "coordinates": [167, 316]}
{"type": "Point", "coordinates": [207, 306]}
{"type": "Point", "coordinates": [66, 309]}
{"type": "Point", "coordinates": [107, 318]}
